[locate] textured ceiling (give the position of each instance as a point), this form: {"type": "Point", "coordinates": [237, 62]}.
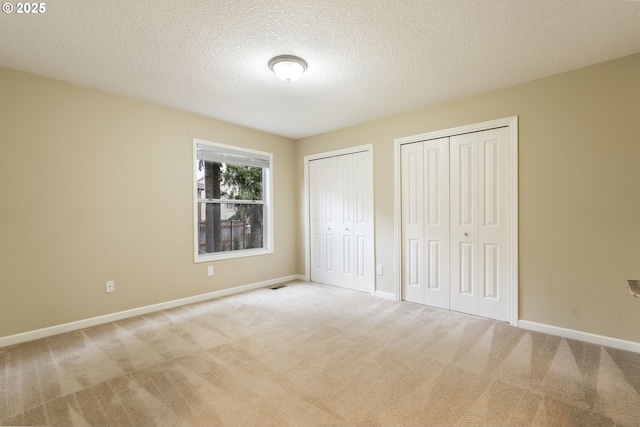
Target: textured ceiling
{"type": "Point", "coordinates": [367, 58]}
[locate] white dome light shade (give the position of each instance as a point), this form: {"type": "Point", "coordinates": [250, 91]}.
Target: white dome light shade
{"type": "Point", "coordinates": [288, 67]}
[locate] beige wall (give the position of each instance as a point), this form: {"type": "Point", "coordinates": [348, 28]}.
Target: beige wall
{"type": "Point", "coordinates": [97, 187]}
{"type": "Point", "coordinates": [579, 164]}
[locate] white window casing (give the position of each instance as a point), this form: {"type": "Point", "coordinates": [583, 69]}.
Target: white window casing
{"type": "Point", "coordinates": [237, 156]}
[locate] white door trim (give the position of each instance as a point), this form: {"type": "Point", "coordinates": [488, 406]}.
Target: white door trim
{"type": "Point", "coordinates": [307, 220]}
{"type": "Point", "coordinates": [512, 124]}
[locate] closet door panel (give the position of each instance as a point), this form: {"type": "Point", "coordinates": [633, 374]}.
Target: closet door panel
{"type": "Point", "coordinates": [495, 225]}
{"type": "Point", "coordinates": [317, 201]}
{"type": "Point", "coordinates": [362, 219]}
{"type": "Point", "coordinates": [436, 222]}
{"type": "Point", "coordinates": [343, 204]}
{"type": "Point", "coordinates": [412, 183]}
{"type": "Point", "coordinates": [464, 223]}
{"type": "Point", "coordinates": [331, 234]}
{"type": "Point", "coordinates": [326, 240]}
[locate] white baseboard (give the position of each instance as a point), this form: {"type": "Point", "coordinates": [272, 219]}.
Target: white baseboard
{"type": "Point", "coordinates": [580, 336]}
{"type": "Point", "coordinates": [93, 321]}
{"type": "Point", "coordinates": [385, 295]}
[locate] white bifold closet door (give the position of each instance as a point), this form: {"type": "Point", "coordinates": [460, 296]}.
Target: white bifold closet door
{"type": "Point", "coordinates": [456, 223]}
{"type": "Point", "coordinates": [341, 219]}
{"type": "Point", "coordinates": [425, 222]}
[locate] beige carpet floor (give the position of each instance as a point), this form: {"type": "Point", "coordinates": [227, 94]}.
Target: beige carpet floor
{"type": "Point", "coordinates": [315, 355]}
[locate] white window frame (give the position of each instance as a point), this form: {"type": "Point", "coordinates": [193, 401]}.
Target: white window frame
{"type": "Point", "coordinates": [267, 191]}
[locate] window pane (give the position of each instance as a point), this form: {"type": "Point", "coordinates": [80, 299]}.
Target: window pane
{"type": "Point", "coordinates": [227, 181]}
{"type": "Point", "coordinates": [226, 227]}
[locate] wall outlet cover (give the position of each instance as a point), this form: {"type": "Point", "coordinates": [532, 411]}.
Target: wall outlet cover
{"type": "Point", "coordinates": [110, 286]}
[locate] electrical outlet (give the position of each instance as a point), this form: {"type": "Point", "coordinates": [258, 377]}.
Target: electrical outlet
{"type": "Point", "coordinates": [210, 270]}
{"type": "Point", "coordinates": [379, 270]}
{"type": "Point", "coordinates": [110, 286]}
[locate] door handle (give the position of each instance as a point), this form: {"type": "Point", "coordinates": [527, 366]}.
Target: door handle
{"type": "Point", "coordinates": [466, 234]}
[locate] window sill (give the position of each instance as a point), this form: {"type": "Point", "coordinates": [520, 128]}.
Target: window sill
{"type": "Point", "coordinates": [232, 254]}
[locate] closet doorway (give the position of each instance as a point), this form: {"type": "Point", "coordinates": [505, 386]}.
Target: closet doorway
{"type": "Point", "coordinates": [457, 226]}
{"type": "Point", "coordinates": [340, 218]}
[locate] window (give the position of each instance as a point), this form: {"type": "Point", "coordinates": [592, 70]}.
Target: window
{"type": "Point", "coordinates": [232, 193]}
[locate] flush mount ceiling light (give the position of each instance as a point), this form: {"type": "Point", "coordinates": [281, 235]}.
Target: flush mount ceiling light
{"type": "Point", "coordinates": [288, 67]}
